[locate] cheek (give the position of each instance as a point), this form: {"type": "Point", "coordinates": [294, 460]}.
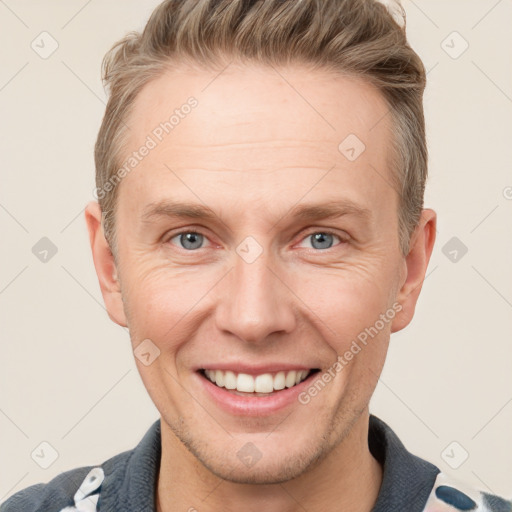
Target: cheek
{"type": "Point", "coordinates": [161, 302]}
{"type": "Point", "coordinates": [348, 301]}
{"type": "Point", "coordinates": [166, 303]}
{"type": "Point", "coordinates": [163, 307]}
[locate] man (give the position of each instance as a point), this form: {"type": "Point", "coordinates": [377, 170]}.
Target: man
{"type": "Point", "coordinates": [260, 230]}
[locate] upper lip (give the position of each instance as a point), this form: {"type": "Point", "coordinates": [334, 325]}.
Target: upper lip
{"type": "Point", "coordinates": [260, 369]}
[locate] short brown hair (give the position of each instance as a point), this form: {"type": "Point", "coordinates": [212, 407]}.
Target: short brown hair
{"type": "Point", "coordinates": [354, 37]}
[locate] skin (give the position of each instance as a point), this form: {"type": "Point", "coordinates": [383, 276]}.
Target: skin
{"type": "Point", "coordinates": [253, 149]}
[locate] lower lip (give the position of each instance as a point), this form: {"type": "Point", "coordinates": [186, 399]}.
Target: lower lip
{"type": "Point", "coordinates": [257, 405]}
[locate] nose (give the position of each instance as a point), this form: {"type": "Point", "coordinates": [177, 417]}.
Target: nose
{"type": "Point", "coordinates": [256, 301]}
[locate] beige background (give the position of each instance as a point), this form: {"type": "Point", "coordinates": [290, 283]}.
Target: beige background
{"type": "Point", "coordinates": [67, 375]}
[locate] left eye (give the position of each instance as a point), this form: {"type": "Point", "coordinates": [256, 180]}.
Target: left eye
{"type": "Point", "coordinates": [322, 240]}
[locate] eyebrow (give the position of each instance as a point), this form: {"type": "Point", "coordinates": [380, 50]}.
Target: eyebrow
{"type": "Point", "coordinates": [305, 212]}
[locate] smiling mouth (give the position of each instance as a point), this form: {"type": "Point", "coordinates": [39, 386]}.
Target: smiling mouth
{"type": "Point", "coordinates": [265, 384]}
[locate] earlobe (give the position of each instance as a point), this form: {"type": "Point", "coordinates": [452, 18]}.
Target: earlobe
{"type": "Point", "coordinates": [415, 264]}
{"type": "Point", "coordinates": [105, 265]}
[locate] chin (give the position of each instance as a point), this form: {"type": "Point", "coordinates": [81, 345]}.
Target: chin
{"type": "Point", "coordinates": [249, 465]}
{"type": "Point", "coordinates": [262, 473]}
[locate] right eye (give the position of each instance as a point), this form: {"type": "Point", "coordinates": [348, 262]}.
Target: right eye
{"type": "Point", "coordinates": [189, 240]}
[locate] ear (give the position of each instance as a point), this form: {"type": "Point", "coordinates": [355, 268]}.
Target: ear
{"type": "Point", "coordinates": [105, 265]}
{"type": "Point", "coordinates": [415, 266]}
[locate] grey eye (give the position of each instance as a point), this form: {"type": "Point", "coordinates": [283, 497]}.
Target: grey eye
{"type": "Point", "coordinates": [190, 240]}
{"type": "Point", "coordinates": [321, 240]}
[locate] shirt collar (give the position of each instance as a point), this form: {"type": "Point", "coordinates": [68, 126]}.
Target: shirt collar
{"type": "Point", "coordinates": [407, 479]}
{"type": "Point", "coordinates": [131, 478]}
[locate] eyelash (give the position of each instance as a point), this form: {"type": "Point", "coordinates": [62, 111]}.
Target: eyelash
{"type": "Point", "coordinates": [342, 240]}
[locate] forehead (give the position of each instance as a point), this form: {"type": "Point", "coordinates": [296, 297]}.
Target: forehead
{"type": "Point", "coordinates": [255, 128]}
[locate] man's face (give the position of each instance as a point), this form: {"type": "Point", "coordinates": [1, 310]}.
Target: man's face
{"type": "Point", "coordinates": [260, 289]}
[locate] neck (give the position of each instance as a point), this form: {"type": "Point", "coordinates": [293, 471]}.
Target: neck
{"type": "Point", "coordinates": [349, 478]}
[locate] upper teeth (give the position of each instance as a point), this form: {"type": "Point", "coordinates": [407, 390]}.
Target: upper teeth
{"type": "Point", "coordinates": [265, 383]}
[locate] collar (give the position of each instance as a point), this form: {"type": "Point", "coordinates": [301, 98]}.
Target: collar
{"type": "Point", "coordinates": [407, 480]}
{"type": "Point", "coordinates": [131, 478]}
